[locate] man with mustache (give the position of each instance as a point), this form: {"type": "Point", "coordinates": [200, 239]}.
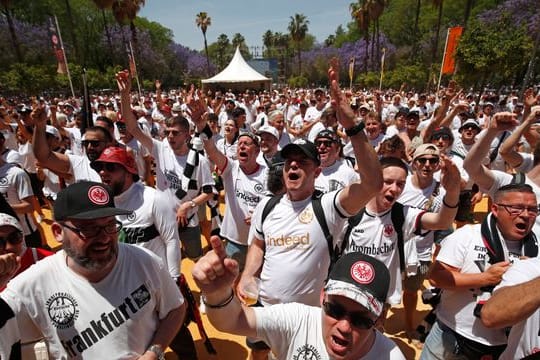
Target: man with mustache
{"type": "Point", "coordinates": [96, 298]}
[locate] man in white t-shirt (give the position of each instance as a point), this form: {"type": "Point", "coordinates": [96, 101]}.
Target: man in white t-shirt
{"type": "Point", "coordinates": [336, 173]}
{"type": "Point", "coordinates": [515, 303]}
{"type": "Point", "coordinates": [470, 264]}
{"type": "Point", "coordinates": [351, 300]}
{"type": "Point", "coordinates": [96, 298]}
{"type": "Point", "coordinates": [171, 157]}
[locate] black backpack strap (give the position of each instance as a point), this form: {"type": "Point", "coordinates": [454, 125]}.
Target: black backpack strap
{"type": "Point", "coordinates": [319, 214]}
{"type": "Point", "coordinates": [351, 223]}
{"type": "Point", "coordinates": [398, 218]}
{"type": "Point", "coordinates": [269, 206]}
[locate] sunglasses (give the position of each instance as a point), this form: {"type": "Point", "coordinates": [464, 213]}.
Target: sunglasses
{"type": "Point", "coordinates": [431, 161]}
{"type": "Point", "coordinates": [107, 166]}
{"type": "Point", "coordinates": [94, 143]}
{"type": "Point", "coordinates": [173, 132]}
{"type": "Point", "coordinates": [441, 136]}
{"type": "Point", "coordinates": [357, 319]}
{"type": "Point", "coordinates": [326, 143]}
{"type": "Point", "coordinates": [15, 238]}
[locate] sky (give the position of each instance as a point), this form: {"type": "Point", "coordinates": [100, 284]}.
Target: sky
{"type": "Point", "coordinates": [251, 18]}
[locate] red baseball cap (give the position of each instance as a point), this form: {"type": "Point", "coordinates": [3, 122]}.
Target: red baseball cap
{"type": "Point", "coordinates": [118, 155]}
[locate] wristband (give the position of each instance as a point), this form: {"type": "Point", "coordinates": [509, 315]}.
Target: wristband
{"type": "Point", "coordinates": [448, 206]}
{"type": "Point", "coordinates": [218, 306]}
{"type": "Point", "coordinates": [355, 129]}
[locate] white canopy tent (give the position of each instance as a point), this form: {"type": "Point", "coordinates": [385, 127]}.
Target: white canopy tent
{"type": "Point", "coordinates": [238, 75]}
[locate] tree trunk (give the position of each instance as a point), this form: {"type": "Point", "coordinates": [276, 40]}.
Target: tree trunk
{"type": "Point", "coordinates": [366, 56]}
{"type": "Point", "coordinates": [107, 32]}
{"type": "Point", "coordinates": [72, 32]}
{"type": "Point", "coordinates": [207, 58]}
{"type": "Point", "coordinates": [299, 61]}
{"type": "Point", "coordinates": [416, 31]}
{"type": "Point", "coordinates": [134, 42]}
{"type": "Point", "coordinates": [468, 7]}
{"type": "Point", "coordinates": [437, 32]}
{"type": "Point", "coordinates": [530, 68]}
{"type": "Point", "coordinates": [373, 47]}
{"type": "Point", "coordinates": [14, 40]}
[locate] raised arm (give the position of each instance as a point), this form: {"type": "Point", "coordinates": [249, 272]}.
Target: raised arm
{"type": "Point", "coordinates": [355, 196]}
{"type": "Point", "coordinates": [55, 161]}
{"type": "Point", "coordinates": [481, 175]}
{"type": "Point", "coordinates": [214, 274]}
{"type": "Point", "coordinates": [123, 80]}
{"type": "Point", "coordinates": [507, 148]}
{"type": "Point", "coordinates": [450, 180]}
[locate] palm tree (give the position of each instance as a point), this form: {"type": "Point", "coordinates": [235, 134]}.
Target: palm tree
{"type": "Point", "coordinates": [126, 10]}
{"type": "Point", "coordinates": [203, 21]}
{"type": "Point", "coordinates": [223, 45]}
{"type": "Point", "coordinates": [360, 13]}
{"type": "Point", "coordinates": [298, 28]}
{"type": "Point", "coordinates": [268, 42]}
{"type": "Point", "coordinates": [102, 5]}
{"type": "Point", "coordinates": [14, 41]}
{"type": "Point", "coordinates": [375, 9]}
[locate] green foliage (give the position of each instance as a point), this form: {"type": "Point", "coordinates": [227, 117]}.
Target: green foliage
{"type": "Point", "coordinates": [298, 81]}
{"type": "Point", "coordinates": [368, 80]}
{"type": "Point", "coordinates": [487, 52]}
{"type": "Point", "coordinates": [414, 76]}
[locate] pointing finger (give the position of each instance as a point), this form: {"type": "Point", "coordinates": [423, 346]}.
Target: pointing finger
{"type": "Point", "coordinates": [217, 246]}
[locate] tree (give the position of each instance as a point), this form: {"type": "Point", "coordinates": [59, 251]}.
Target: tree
{"type": "Point", "coordinates": [439, 5]}
{"type": "Point", "coordinates": [14, 41]}
{"type": "Point", "coordinates": [360, 13]}
{"type": "Point", "coordinates": [126, 11]}
{"type": "Point", "coordinates": [239, 40]}
{"type": "Point", "coordinates": [298, 28]}
{"type": "Point", "coordinates": [268, 42]}
{"type": "Point", "coordinates": [203, 21]}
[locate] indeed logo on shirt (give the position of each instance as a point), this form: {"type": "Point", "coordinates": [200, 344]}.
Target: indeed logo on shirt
{"type": "Point", "coordinates": [295, 241]}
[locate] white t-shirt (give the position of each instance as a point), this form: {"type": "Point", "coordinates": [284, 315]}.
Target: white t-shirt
{"type": "Point", "coordinates": [15, 186]}
{"type": "Point", "coordinates": [151, 207]}
{"type": "Point", "coordinates": [376, 236]}
{"type": "Point", "coordinates": [312, 113]}
{"type": "Point", "coordinates": [81, 170]}
{"type": "Point", "coordinates": [524, 338]}
{"type": "Point", "coordinates": [227, 149]}
{"type": "Point", "coordinates": [169, 173]}
{"type": "Point", "coordinates": [294, 331]}
{"type": "Point", "coordinates": [296, 258]}
{"type": "Point", "coordinates": [75, 139]}
{"type": "Point", "coordinates": [465, 250]}
{"type": "Point", "coordinates": [420, 198]}
{"type": "Point", "coordinates": [28, 160]}
{"type": "Point", "coordinates": [314, 131]}
{"type": "Point", "coordinates": [113, 318]}
{"type": "Point", "coordinates": [242, 194]}
{"type": "Point", "coordinates": [336, 177]}
{"type": "Point", "coordinates": [12, 157]}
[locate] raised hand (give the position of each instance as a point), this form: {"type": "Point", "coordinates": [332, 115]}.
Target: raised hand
{"type": "Point", "coordinates": [344, 112]}
{"type": "Point", "coordinates": [503, 121]}
{"type": "Point", "coordinates": [123, 80]}
{"type": "Point", "coordinates": [450, 177]}
{"type": "Point", "coordinates": [214, 273]}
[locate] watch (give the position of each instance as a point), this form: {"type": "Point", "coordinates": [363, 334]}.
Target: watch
{"type": "Point", "coordinates": [158, 350]}
{"type": "Point", "coordinates": [355, 129]}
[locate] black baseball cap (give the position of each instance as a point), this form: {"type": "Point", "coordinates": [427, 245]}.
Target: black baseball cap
{"type": "Point", "coordinates": [328, 134]}
{"type": "Point", "coordinates": [303, 146]}
{"type": "Point", "coordinates": [360, 278]}
{"type": "Point", "coordinates": [86, 200]}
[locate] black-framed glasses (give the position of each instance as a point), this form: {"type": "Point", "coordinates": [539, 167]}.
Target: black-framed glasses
{"type": "Point", "coordinates": [107, 166]}
{"type": "Point", "coordinates": [470, 127]}
{"type": "Point", "coordinates": [357, 319]}
{"type": "Point", "coordinates": [326, 143]}
{"type": "Point", "coordinates": [431, 161]}
{"type": "Point", "coordinates": [88, 232]}
{"type": "Point", "coordinates": [94, 143]}
{"type": "Point", "coordinates": [516, 210]}
{"type": "Point", "coordinates": [14, 238]}
{"type": "Point", "coordinates": [440, 136]}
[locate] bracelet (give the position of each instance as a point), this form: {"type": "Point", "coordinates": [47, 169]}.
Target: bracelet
{"type": "Point", "coordinates": [218, 306]}
{"type": "Point", "coordinates": [448, 206]}
{"type": "Point", "coordinates": [355, 129]}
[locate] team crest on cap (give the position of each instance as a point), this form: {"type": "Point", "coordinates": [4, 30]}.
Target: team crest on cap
{"type": "Point", "coordinates": [362, 272]}
{"type": "Point", "coordinates": [300, 142]}
{"type": "Point", "coordinates": [98, 195]}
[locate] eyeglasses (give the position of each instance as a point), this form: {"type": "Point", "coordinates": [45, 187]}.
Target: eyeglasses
{"type": "Point", "coordinates": [440, 136]}
{"type": "Point", "coordinates": [357, 319]}
{"type": "Point", "coordinates": [326, 143]}
{"type": "Point", "coordinates": [173, 132]}
{"type": "Point", "coordinates": [107, 166]}
{"type": "Point", "coordinates": [516, 210]}
{"type": "Point", "coordinates": [94, 143]}
{"type": "Point", "coordinates": [470, 127]}
{"type": "Point", "coordinates": [431, 161]}
{"type": "Point", "coordinates": [14, 238]}
{"type": "Point", "coordinates": [93, 231]}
